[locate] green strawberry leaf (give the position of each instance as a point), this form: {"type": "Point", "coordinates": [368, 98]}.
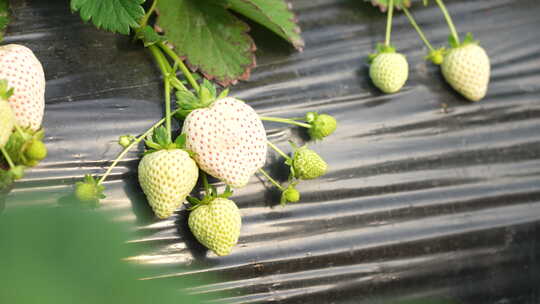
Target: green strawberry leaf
{"type": "Point", "coordinates": [149, 36]}
{"type": "Point", "coordinates": [161, 136]}
{"type": "Point", "coordinates": [223, 93]}
{"type": "Point", "coordinates": [110, 15]}
{"type": "Point", "coordinates": [453, 42]}
{"type": "Point", "coordinates": [180, 141]}
{"type": "Point", "coordinates": [5, 90]}
{"type": "Point", "coordinates": [207, 93]}
{"type": "Point", "coordinates": [274, 15]}
{"type": "Point", "coordinates": [4, 17]}
{"type": "Point", "coordinates": [209, 37]}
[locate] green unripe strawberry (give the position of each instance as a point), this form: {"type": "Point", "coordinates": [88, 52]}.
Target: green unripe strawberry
{"type": "Point", "coordinates": [125, 140]}
{"type": "Point", "coordinates": [466, 68]}
{"type": "Point", "coordinates": [89, 191]}
{"type": "Point", "coordinates": [166, 178]}
{"type": "Point", "coordinates": [17, 172]}
{"type": "Point", "coordinates": [216, 225]}
{"type": "Point", "coordinates": [35, 151]}
{"type": "Point", "coordinates": [389, 72]}
{"type": "Point", "coordinates": [322, 125]}
{"type": "Point", "coordinates": [307, 164]}
{"type": "Point", "coordinates": [290, 195]}
{"type": "Point", "coordinates": [7, 121]}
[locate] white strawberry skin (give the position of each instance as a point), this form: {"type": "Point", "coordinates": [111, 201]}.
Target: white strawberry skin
{"type": "Point", "coordinates": [467, 70]}
{"type": "Point", "coordinates": [23, 71]}
{"type": "Point", "coordinates": [389, 72]}
{"type": "Point", "coordinates": [166, 178]}
{"type": "Point", "coordinates": [7, 120]}
{"type": "Point", "coordinates": [229, 140]}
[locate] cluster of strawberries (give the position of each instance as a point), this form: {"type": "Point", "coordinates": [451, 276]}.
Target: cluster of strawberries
{"type": "Point", "coordinates": [222, 137]}
{"type": "Point", "coordinates": [22, 103]}
{"type": "Point", "coordinates": [464, 65]}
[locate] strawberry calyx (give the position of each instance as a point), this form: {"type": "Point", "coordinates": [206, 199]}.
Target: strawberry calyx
{"type": "Point", "coordinates": [159, 140]}
{"type": "Point", "coordinates": [89, 191]}
{"type": "Point", "coordinates": [209, 197]}
{"type": "Point", "coordinates": [381, 49]}
{"type": "Point", "coordinates": [383, 4]}
{"type": "Point", "coordinates": [468, 40]}
{"type": "Point", "coordinates": [187, 101]}
{"type": "Point", "coordinates": [5, 90]}
{"type": "Point", "coordinates": [436, 55]}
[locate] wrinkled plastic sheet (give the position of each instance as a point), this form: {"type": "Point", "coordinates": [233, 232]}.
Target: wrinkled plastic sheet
{"type": "Point", "coordinates": [428, 196]}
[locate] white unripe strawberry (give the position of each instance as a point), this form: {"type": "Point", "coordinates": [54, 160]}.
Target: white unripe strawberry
{"type": "Point", "coordinates": [228, 139]}
{"type": "Point", "coordinates": [466, 68]}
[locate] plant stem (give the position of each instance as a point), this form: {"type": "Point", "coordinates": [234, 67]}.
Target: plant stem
{"type": "Point", "coordinates": [144, 20]}
{"type": "Point", "coordinates": [181, 64]}
{"type": "Point", "coordinates": [160, 59]}
{"type": "Point", "coordinates": [389, 22]}
{"type": "Point", "coordinates": [278, 150]}
{"type": "Point", "coordinates": [286, 120]}
{"type": "Point", "coordinates": [126, 149]}
{"type": "Point", "coordinates": [417, 28]}
{"type": "Point", "coordinates": [7, 157]}
{"type": "Point", "coordinates": [177, 84]}
{"type": "Point", "coordinates": [448, 20]}
{"type": "Point", "coordinates": [270, 179]}
{"type": "Point", "coordinates": [18, 129]}
{"type": "Point", "coordinates": [205, 183]}
{"type": "Point", "coordinates": [168, 107]}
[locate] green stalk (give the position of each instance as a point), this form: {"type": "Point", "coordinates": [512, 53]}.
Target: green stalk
{"type": "Point", "coordinates": [270, 179]}
{"type": "Point", "coordinates": [205, 183]}
{"type": "Point", "coordinates": [126, 149]}
{"type": "Point", "coordinates": [285, 120]}
{"type": "Point", "coordinates": [168, 108]}
{"type": "Point", "coordinates": [144, 20]}
{"type": "Point", "coordinates": [8, 158]}
{"type": "Point", "coordinates": [278, 150]}
{"type": "Point", "coordinates": [389, 22]}
{"type": "Point", "coordinates": [448, 20]}
{"type": "Point", "coordinates": [417, 28]}
{"type": "Point", "coordinates": [181, 64]}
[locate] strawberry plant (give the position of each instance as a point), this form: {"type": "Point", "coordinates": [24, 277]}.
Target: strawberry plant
{"type": "Point", "coordinates": [221, 136]}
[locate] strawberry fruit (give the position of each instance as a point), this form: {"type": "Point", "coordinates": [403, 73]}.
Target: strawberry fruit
{"type": "Point", "coordinates": [7, 120]}
{"type": "Point", "coordinates": [388, 70]}
{"type": "Point", "coordinates": [466, 68]}
{"type": "Point", "coordinates": [23, 71]}
{"type": "Point", "coordinates": [167, 177]}
{"type": "Point", "coordinates": [228, 139]}
{"type": "Point", "coordinates": [216, 225]}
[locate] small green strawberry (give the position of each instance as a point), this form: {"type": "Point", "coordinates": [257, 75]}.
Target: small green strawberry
{"type": "Point", "coordinates": [216, 225]}
{"type": "Point", "coordinates": [307, 164]}
{"type": "Point", "coordinates": [388, 70]}
{"type": "Point", "coordinates": [89, 191]}
{"type": "Point", "coordinates": [7, 118]}
{"type": "Point", "coordinates": [167, 174]}
{"type": "Point", "coordinates": [322, 125]}
{"type": "Point", "coordinates": [125, 140]}
{"type": "Point", "coordinates": [290, 195]}
{"type": "Point", "coordinates": [36, 150]}
{"type": "Point", "coordinates": [466, 68]}
{"type": "Point", "coordinates": [26, 147]}
{"type": "Point", "coordinates": [17, 172]}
